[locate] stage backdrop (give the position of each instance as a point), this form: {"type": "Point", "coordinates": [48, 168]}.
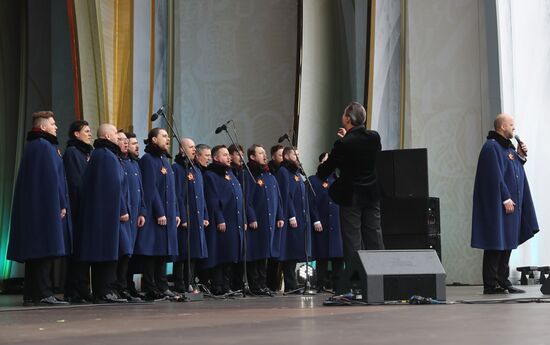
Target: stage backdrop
{"type": "Point", "coordinates": [524, 29]}
{"type": "Point", "coordinates": [235, 60]}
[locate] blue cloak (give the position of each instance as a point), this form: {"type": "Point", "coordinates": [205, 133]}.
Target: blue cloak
{"type": "Point", "coordinates": [75, 160]}
{"type": "Point", "coordinates": [102, 236]}
{"type": "Point", "coordinates": [224, 201]}
{"type": "Point", "coordinates": [264, 207]}
{"type": "Point", "coordinates": [295, 204]}
{"type": "Point", "coordinates": [160, 200]}
{"type": "Point", "coordinates": [192, 178]}
{"type": "Point", "coordinates": [500, 176]}
{"type": "Point", "coordinates": [136, 205]}
{"type": "Point", "coordinates": [327, 243]}
{"type": "Point", "coordinates": [37, 229]}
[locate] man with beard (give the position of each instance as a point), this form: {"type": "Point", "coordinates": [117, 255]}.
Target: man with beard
{"type": "Point", "coordinates": [137, 208]}
{"type": "Point", "coordinates": [40, 224]}
{"type": "Point", "coordinates": [192, 205]}
{"type": "Point", "coordinates": [157, 241]}
{"type": "Point", "coordinates": [273, 279]}
{"type": "Point", "coordinates": [203, 157]}
{"type": "Point", "coordinates": [104, 228]}
{"type": "Point", "coordinates": [294, 247]}
{"type": "Point", "coordinates": [224, 235]}
{"type": "Point", "coordinates": [265, 219]}
{"type": "Point", "coordinates": [276, 158]}
{"type": "Point", "coordinates": [326, 241]}
{"type": "Point", "coordinates": [75, 160]}
{"type": "Point", "coordinates": [503, 214]}
{"type": "Point", "coordinates": [137, 220]}
{"type": "Point", "coordinates": [237, 165]}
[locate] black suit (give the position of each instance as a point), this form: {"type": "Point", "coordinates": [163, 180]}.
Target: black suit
{"type": "Point", "coordinates": [356, 190]}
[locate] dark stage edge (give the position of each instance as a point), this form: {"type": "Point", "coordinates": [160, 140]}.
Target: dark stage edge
{"type": "Point", "coordinates": [282, 320]}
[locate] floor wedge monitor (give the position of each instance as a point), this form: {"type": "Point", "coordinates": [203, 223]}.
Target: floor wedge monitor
{"type": "Point", "coordinates": [390, 275]}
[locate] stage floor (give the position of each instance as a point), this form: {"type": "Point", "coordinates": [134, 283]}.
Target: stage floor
{"type": "Point", "coordinates": [282, 320]}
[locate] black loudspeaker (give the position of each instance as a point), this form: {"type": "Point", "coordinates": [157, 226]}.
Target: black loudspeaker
{"type": "Point", "coordinates": [545, 288]}
{"type": "Point", "coordinates": [389, 275]}
{"type": "Point", "coordinates": [411, 223]}
{"type": "Point", "coordinates": [403, 173]}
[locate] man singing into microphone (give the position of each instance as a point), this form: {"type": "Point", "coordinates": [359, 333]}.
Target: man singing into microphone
{"type": "Point", "coordinates": [503, 212]}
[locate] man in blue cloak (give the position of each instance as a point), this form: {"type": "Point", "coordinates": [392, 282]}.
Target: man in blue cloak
{"type": "Point", "coordinates": [194, 216]}
{"type": "Point", "coordinates": [40, 223]}
{"type": "Point", "coordinates": [503, 212]}
{"type": "Point", "coordinates": [224, 235]}
{"type": "Point", "coordinates": [75, 160]}
{"type": "Point", "coordinates": [104, 224]}
{"type": "Point", "coordinates": [265, 219]}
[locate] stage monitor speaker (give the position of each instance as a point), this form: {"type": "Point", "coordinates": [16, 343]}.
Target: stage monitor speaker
{"type": "Point", "coordinates": [389, 275]}
{"type": "Point", "coordinates": [403, 173]}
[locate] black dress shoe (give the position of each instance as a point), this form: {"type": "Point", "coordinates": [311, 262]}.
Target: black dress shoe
{"type": "Point", "coordinates": [496, 290]}
{"type": "Point", "coordinates": [109, 298]}
{"type": "Point", "coordinates": [125, 294]}
{"type": "Point", "coordinates": [51, 300]}
{"type": "Point", "coordinates": [512, 289]}
{"type": "Point", "coordinates": [76, 300]}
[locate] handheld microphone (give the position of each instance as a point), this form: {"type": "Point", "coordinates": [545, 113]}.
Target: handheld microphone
{"type": "Point", "coordinates": [283, 138]}
{"type": "Point", "coordinates": [519, 142]}
{"type": "Point", "coordinates": [158, 113]}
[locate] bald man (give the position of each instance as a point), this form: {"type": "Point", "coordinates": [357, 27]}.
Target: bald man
{"type": "Point", "coordinates": [503, 212]}
{"type": "Point", "coordinates": [194, 216]}
{"type": "Point", "coordinates": [105, 236]}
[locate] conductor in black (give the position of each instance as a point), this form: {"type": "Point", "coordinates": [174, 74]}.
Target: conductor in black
{"type": "Point", "coordinates": [356, 189]}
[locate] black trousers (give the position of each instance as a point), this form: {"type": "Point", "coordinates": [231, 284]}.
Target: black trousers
{"type": "Point", "coordinates": [181, 275]}
{"type": "Point", "coordinates": [273, 275]}
{"type": "Point", "coordinates": [257, 273]}
{"type": "Point", "coordinates": [134, 267]}
{"type": "Point", "coordinates": [77, 278]}
{"type": "Point", "coordinates": [154, 274]}
{"type": "Point", "coordinates": [221, 277]}
{"type": "Point", "coordinates": [122, 273]}
{"type": "Point", "coordinates": [322, 271]}
{"type": "Point", "coordinates": [360, 229]}
{"type": "Point", "coordinates": [38, 281]}
{"type": "Point", "coordinates": [495, 268]}
{"type": "Point", "coordinates": [289, 274]}
{"type": "Point", "coordinates": [103, 278]}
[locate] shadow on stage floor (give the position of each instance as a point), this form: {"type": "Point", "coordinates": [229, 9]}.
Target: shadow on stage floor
{"type": "Point", "coordinates": [283, 320]}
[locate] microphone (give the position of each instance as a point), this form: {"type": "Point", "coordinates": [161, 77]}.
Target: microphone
{"type": "Point", "coordinates": [283, 138]}
{"type": "Point", "coordinates": [158, 113]}
{"type": "Point", "coordinates": [519, 142]}
{"type": "Point", "coordinates": [222, 127]}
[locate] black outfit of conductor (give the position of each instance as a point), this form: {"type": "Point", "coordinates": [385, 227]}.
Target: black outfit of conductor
{"type": "Point", "coordinates": [356, 190]}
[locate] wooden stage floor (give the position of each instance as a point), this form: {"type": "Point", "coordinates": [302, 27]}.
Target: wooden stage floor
{"type": "Point", "coordinates": [282, 320]}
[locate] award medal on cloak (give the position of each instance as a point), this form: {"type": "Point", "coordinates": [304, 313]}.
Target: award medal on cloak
{"type": "Point", "coordinates": [163, 171]}
{"type": "Point", "coordinates": [511, 156]}
{"type": "Point", "coordinates": [261, 182]}
{"type": "Point", "coordinates": [191, 177]}
{"type": "Point", "coordinates": [59, 152]}
{"type": "Point", "coordinates": [325, 184]}
{"type": "Point", "coordinates": [227, 177]}
{"type": "Point", "coordinates": [296, 178]}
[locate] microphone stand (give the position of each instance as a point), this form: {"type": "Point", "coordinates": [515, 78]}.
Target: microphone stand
{"type": "Point", "coordinates": [246, 287]}
{"type": "Point", "coordinates": [191, 294]}
{"type": "Point", "coordinates": [306, 290]}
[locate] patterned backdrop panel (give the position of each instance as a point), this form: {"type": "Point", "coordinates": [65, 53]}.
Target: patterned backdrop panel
{"type": "Point", "coordinates": [235, 60]}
